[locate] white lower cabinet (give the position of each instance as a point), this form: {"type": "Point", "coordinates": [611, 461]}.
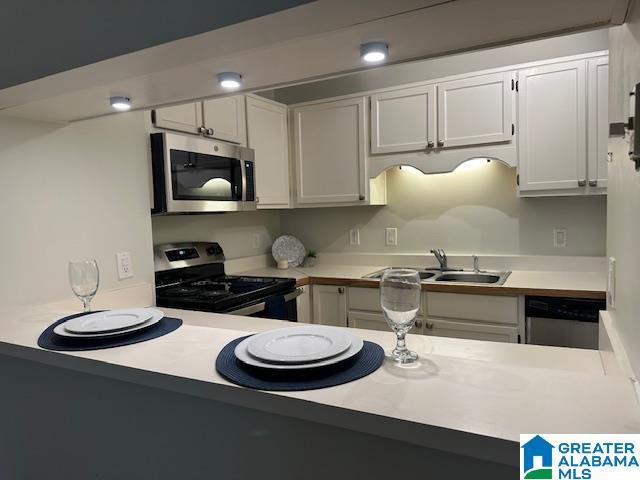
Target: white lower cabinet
{"type": "Point", "coordinates": [365, 311]}
{"type": "Point", "coordinates": [470, 330]}
{"type": "Point", "coordinates": [304, 305]}
{"type": "Point", "coordinates": [330, 305]}
{"type": "Point", "coordinates": [476, 317]}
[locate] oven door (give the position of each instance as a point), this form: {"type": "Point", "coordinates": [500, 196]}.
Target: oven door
{"type": "Point", "coordinates": [273, 310]}
{"type": "Point", "coordinates": [202, 175]}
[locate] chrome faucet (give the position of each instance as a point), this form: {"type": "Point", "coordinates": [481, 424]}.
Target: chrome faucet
{"type": "Point", "coordinates": [476, 263]}
{"type": "Point", "coordinates": [441, 257]}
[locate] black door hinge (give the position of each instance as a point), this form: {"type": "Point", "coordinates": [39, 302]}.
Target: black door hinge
{"type": "Point", "coordinates": [513, 128]}
{"type": "Point", "coordinates": [518, 179]}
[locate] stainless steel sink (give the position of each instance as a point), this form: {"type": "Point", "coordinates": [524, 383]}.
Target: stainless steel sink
{"type": "Point", "coordinates": [468, 277]}
{"type": "Point", "coordinates": [424, 274]}
{"type": "Point", "coordinates": [457, 276]}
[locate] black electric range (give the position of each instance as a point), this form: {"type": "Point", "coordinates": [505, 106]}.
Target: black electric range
{"type": "Point", "coordinates": [191, 276]}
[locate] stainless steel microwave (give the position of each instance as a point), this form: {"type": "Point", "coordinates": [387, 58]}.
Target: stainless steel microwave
{"type": "Point", "coordinates": [198, 175]}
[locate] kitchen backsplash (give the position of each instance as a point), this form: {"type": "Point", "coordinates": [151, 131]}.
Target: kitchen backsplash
{"type": "Point", "coordinates": [472, 210]}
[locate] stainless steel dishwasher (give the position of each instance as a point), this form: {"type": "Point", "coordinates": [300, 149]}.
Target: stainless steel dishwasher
{"type": "Point", "coordinates": [562, 322]}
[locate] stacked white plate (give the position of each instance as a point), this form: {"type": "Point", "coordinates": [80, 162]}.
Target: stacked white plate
{"type": "Point", "coordinates": [298, 348]}
{"type": "Point", "coordinates": [109, 323]}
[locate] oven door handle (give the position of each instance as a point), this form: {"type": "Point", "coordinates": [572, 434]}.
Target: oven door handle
{"type": "Point", "coordinates": [259, 307]}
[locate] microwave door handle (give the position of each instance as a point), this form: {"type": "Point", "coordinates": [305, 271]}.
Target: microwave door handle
{"type": "Point", "coordinates": [243, 172]}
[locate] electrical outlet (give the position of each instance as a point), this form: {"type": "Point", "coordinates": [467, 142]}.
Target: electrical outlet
{"type": "Point", "coordinates": [391, 236]}
{"type": "Point", "coordinates": [256, 240]}
{"type": "Point", "coordinates": [559, 237]}
{"type": "Point", "coordinates": [354, 236]}
{"type": "Point", "coordinates": [125, 266]}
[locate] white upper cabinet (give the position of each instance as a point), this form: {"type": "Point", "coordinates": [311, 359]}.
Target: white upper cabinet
{"type": "Point", "coordinates": [403, 120]}
{"type": "Point", "coordinates": [475, 110]}
{"type": "Point", "coordinates": [267, 134]}
{"type": "Point", "coordinates": [597, 121]}
{"type": "Point", "coordinates": [224, 119]}
{"type": "Point", "coordinates": [182, 118]}
{"type": "Point", "coordinates": [329, 152]}
{"type": "Point", "coordinates": [552, 127]}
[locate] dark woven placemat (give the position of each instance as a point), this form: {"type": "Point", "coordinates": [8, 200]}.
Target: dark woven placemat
{"type": "Point", "coordinates": [52, 341]}
{"type": "Point", "coordinates": [367, 361]}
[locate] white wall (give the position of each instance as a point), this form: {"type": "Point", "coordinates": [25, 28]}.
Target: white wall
{"type": "Point", "coordinates": [70, 192]}
{"type": "Point", "coordinates": [623, 218]}
{"type": "Point", "coordinates": [471, 210]}
{"type": "Point", "coordinates": [235, 232]}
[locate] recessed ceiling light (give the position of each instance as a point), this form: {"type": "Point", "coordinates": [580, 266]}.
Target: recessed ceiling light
{"type": "Point", "coordinates": [374, 52]}
{"type": "Point", "coordinates": [230, 80]}
{"type": "Point", "coordinates": [120, 103]}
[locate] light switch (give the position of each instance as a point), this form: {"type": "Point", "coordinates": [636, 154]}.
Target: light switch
{"type": "Point", "coordinates": [559, 237]}
{"type": "Point", "coordinates": [125, 266]}
{"type": "Point", "coordinates": [354, 236]}
{"type": "Point", "coordinates": [391, 236]}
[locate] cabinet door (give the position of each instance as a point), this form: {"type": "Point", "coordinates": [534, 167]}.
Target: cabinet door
{"type": "Point", "coordinates": [376, 321]}
{"type": "Point", "coordinates": [552, 127]}
{"type": "Point", "coordinates": [329, 149]}
{"type": "Point", "coordinates": [403, 120]}
{"type": "Point", "coordinates": [226, 118]}
{"type": "Point", "coordinates": [598, 120]}
{"type": "Point", "coordinates": [330, 305]}
{"type": "Point", "coordinates": [183, 118]}
{"type": "Point", "coordinates": [304, 305]}
{"type": "Point", "coordinates": [476, 110]}
{"type": "Point", "coordinates": [471, 330]}
{"type": "Point", "coordinates": [267, 134]}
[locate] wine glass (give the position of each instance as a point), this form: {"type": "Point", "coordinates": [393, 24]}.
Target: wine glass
{"type": "Point", "coordinates": [400, 300]}
{"type": "Point", "coordinates": [84, 278]}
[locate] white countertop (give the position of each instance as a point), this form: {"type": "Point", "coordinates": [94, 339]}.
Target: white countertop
{"type": "Point", "coordinates": [519, 279]}
{"type": "Point", "coordinates": [462, 392]}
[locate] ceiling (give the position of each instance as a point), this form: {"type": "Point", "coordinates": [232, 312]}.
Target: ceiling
{"type": "Point", "coordinates": [305, 43]}
{"type": "Point", "coordinates": [51, 37]}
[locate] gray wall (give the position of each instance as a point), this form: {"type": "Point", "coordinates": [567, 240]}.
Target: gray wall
{"type": "Point", "coordinates": [235, 232]}
{"type": "Point", "coordinates": [441, 67]}
{"type": "Point", "coordinates": [474, 209]}
{"type": "Point", "coordinates": [58, 34]}
{"type": "Point", "coordinates": [59, 424]}
{"type": "Point", "coordinates": [72, 192]}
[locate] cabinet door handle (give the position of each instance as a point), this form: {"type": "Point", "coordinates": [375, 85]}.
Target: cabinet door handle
{"type": "Point", "coordinates": [202, 130]}
{"type": "Point", "coordinates": [593, 183]}
{"type": "Point", "coordinates": [361, 197]}
{"type": "Point", "coordinates": [440, 143]}
{"type": "Point", "coordinates": [340, 290]}
{"type": "Point", "coordinates": [428, 325]}
{"type": "Point", "coordinates": [582, 183]}
{"type": "Point", "coordinates": [418, 323]}
{"type": "Point", "coordinates": [209, 131]}
{"type": "Point", "coordinates": [430, 145]}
